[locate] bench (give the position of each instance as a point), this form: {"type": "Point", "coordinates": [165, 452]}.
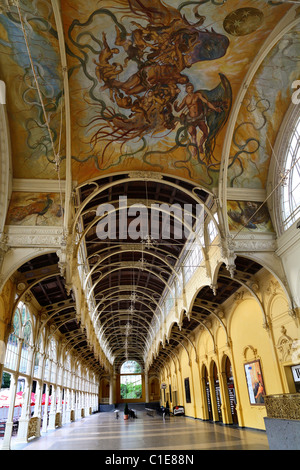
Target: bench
{"type": "Point", "coordinates": [150, 411]}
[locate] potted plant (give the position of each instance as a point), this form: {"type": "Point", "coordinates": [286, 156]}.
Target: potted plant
{"type": "Point", "coordinates": [126, 411]}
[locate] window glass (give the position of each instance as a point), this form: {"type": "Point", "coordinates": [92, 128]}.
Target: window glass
{"type": "Point", "coordinates": [131, 367]}
{"type": "Point", "coordinates": [131, 380]}
{"type": "Point", "coordinates": [290, 193]}
{"type": "Point", "coordinates": [131, 386]}
{"type": "Point", "coordinates": [212, 229]}
{"type": "Point", "coordinates": [12, 345]}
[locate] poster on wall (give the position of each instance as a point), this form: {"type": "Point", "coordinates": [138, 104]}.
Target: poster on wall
{"type": "Point", "coordinates": [255, 384]}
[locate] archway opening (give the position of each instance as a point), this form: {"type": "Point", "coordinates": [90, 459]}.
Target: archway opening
{"type": "Point", "coordinates": [131, 383]}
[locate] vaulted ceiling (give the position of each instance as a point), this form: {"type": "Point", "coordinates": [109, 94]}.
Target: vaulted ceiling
{"type": "Point", "coordinates": [147, 99]}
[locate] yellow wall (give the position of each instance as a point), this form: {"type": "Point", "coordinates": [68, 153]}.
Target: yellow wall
{"type": "Point", "coordinates": [154, 391]}
{"type": "Point", "coordinates": [248, 334]}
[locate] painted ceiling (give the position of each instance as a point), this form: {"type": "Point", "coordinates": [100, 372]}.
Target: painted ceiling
{"type": "Point", "coordinates": [152, 86]}
{"type": "Point", "coordinates": [195, 90]}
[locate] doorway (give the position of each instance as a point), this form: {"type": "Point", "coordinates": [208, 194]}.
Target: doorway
{"type": "Point", "coordinates": [207, 393]}
{"type": "Point", "coordinates": [231, 390]}
{"type": "Point", "coordinates": [217, 391]}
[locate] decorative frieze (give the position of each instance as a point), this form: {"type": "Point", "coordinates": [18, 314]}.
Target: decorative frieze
{"type": "Point", "coordinates": [254, 245]}
{"type": "Point", "coordinates": [34, 427]}
{"type": "Point", "coordinates": [4, 247]}
{"type": "Point", "coordinates": [286, 345]}
{"type": "Point", "coordinates": [50, 237]}
{"type": "Point", "coordinates": [147, 175]}
{"type": "Point", "coordinates": [285, 406]}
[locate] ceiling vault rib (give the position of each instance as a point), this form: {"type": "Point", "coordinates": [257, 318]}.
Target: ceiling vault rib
{"type": "Point", "coordinates": [64, 64]}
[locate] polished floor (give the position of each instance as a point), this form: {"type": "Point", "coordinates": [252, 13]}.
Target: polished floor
{"type": "Point", "coordinates": [102, 431]}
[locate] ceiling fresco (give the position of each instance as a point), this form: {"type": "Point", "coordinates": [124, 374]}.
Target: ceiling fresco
{"type": "Point", "coordinates": [153, 82]}
{"type": "Point", "coordinates": [152, 86]}
{"type": "Point", "coordinates": [248, 216]}
{"type": "Point", "coordinates": [163, 88]}
{"type": "Point", "coordinates": [265, 103]}
{"type": "Point", "coordinates": [32, 147]}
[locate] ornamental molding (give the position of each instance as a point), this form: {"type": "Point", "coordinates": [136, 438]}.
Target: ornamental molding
{"type": "Point", "coordinates": [239, 296]}
{"type": "Point", "coordinates": [253, 352]}
{"type": "Point", "coordinates": [38, 185]}
{"type": "Point", "coordinates": [253, 245]}
{"type": "Point", "coordinates": [4, 247]}
{"type": "Point", "coordinates": [286, 346]}
{"type": "Point", "coordinates": [246, 194]}
{"type": "Point", "coordinates": [273, 287]}
{"type": "Point", "coordinates": [145, 175]}
{"type": "Point", "coordinates": [44, 237]}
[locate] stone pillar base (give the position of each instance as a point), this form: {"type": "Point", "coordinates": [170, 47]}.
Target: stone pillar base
{"type": "Point", "coordinates": [7, 436]}
{"type": "Point", "coordinates": [67, 419]}
{"type": "Point", "coordinates": [283, 434]}
{"type": "Point", "coordinates": [52, 421]}
{"type": "Point", "coordinates": [22, 435]}
{"type": "Point", "coordinates": [34, 428]}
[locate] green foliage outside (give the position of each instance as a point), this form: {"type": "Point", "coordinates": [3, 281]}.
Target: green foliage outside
{"type": "Point", "coordinates": [5, 380]}
{"type": "Point", "coordinates": [131, 390]}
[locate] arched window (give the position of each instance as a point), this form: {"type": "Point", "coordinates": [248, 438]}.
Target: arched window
{"type": "Point", "coordinates": [22, 331]}
{"type": "Point", "coordinates": [131, 380]}
{"type": "Point", "coordinates": [290, 189]}
{"type": "Point", "coordinates": [12, 344]}
{"type": "Point", "coordinates": [37, 358]}
{"type": "Point", "coordinates": [27, 340]}
{"type": "Point", "coordinates": [67, 365]}
{"type": "Point", "coordinates": [46, 368]}
{"type": "Point", "coordinates": [53, 358]}
{"type": "Point", "coordinates": [130, 367]}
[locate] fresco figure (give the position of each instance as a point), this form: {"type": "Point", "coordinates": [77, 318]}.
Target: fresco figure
{"type": "Point", "coordinates": [249, 214]}
{"type": "Point", "coordinates": [105, 71]}
{"type": "Point", "coordinates": [163, 50]}
{"type": "Point", "coordinates": [195, 118]}
{"type": "Point", "coordinates": [35, 209]}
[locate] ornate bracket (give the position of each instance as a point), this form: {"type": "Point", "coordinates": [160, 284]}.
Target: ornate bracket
{"type": "Point", "coordinates": [4, 247]}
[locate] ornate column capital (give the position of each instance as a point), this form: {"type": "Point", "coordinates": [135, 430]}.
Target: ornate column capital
{"type": "Point", "coordinates": [4, 247]}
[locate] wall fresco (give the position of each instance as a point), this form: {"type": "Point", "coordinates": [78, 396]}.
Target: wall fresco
{"type": "Point", "coordinates": [35, 209]}
{"type": "Point", "coordinates": [32, 148]}
{"type": "Point", "coordinates": [249, 215]}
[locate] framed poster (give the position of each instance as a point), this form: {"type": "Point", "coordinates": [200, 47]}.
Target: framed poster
{"type": "Point", "coordinates": [255, 383]}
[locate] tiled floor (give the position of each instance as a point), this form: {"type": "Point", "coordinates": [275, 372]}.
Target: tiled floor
{"type": "Point", "coordinates": [102, 431]}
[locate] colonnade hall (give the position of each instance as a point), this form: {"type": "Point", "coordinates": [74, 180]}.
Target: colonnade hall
{"type": "Point", "coordinates": [149, 224]}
